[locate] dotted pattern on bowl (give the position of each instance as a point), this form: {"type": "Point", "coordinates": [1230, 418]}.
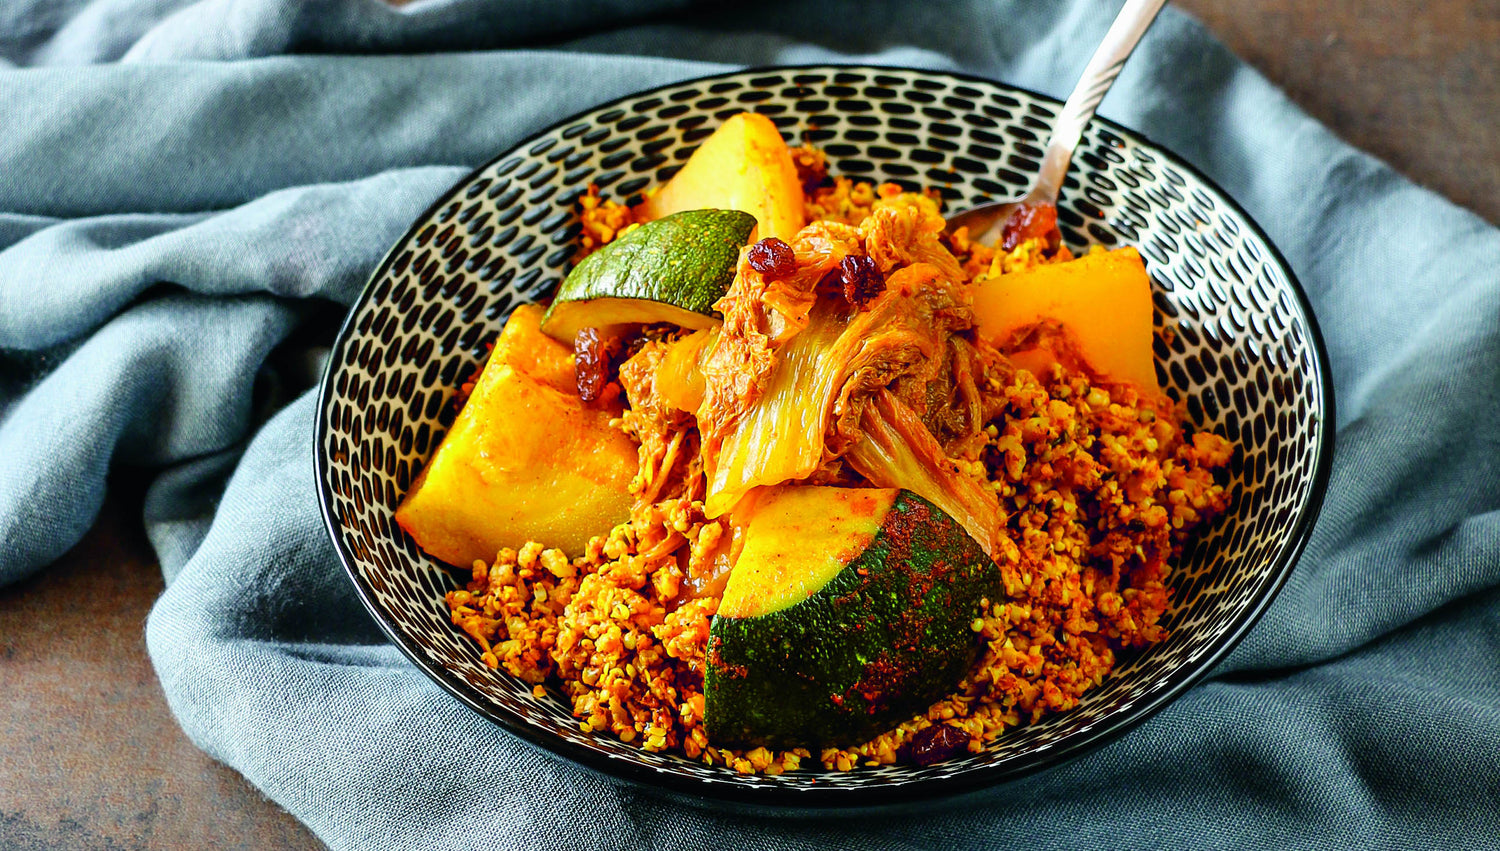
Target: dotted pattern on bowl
{"type": "Point", "coordinates": [1239, 353]}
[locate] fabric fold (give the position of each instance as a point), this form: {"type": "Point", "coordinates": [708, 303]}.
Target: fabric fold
{"type": "Point", "coordinates": [167, 380]}
{"type": "Point", "coordinates": [72, 32]}
{"type": "Point", "coordinates": [61, 281]}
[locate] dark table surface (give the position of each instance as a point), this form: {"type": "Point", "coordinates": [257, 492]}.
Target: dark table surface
{"type": "Point", "coordinates": [90, 756]}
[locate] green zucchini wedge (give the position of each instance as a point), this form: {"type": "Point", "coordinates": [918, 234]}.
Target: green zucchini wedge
{"type": "Point", "coordinates": [847, 611]}
{"type": "Point", "coordinates": [670, 270]}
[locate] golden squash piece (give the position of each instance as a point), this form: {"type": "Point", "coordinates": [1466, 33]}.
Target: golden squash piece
{"type": "Point", "coordinates": [1102, 300]}
{"type": "Point", "coordinates": [523, 345]}
{"type": "Point", "coordinates": [526, 459]}
{"type": "Point", "coordinates": [745, 165]}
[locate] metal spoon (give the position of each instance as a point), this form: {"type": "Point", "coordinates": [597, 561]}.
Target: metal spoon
{"type": "Point", "coordinates": [986, 222]}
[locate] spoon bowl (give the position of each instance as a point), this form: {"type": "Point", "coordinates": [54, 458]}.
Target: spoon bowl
{"type": "Point", "coordinates": [1033, 213]}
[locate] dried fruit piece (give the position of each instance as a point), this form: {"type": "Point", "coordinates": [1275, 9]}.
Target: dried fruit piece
{"type": "Point", "coordinates": [861, 279]}
{"type": "Point", "coordinates": [594, 354]}
{"type": "Point", "coordinates": [1032, 221]}
{"type": "Point", "coordinates": [932, 745]}
{"type": "Point", "coordinates": [773, 258]}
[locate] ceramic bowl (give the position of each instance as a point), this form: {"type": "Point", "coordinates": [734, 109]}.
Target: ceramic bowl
{"type": "Point", "coordinates": [1243, 353]}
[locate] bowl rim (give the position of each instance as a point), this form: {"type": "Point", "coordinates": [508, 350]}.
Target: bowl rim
{"type": "Point", "coordinates": [836, 798]}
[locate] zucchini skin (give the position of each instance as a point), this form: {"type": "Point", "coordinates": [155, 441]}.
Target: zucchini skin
{"type": "Point", "coordinates": [865, 651]}
{"type": "Point", "coordinates": [686, 261]}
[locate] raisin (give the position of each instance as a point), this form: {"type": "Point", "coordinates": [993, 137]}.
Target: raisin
{"type": "Point", "coordinates": [1032, 221]}
{"type": "Point", "coordinates": [861, 278]}
{"type": "Point", "coordinates": [773, 258]}
{"type": "Point", "coordinates": [593, 361]}
{"type": "Point", "coordinates": [932, 745]}
{"type": "Point", "coordinates": [831, 284]}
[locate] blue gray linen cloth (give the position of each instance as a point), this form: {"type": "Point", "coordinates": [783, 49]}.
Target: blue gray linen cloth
{"type": "Point", "coordinates": [182, 183]}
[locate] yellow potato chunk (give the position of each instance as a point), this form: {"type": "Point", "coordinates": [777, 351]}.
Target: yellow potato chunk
{"type": "Point", "coordinates": [523, 345]}
{"type": "Point", "coordinates": [526, 459]}
{"type": "Point", "coordinates": [1103, 301]}
{"type": "Point", "coordinates": [745, 165]}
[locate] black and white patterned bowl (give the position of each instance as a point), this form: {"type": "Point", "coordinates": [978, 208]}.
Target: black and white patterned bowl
{"type": "Point", "coordinates": [1246, 356]}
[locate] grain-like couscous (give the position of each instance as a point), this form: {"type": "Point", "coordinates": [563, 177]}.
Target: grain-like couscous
{"type": "Point", "coordinates": [1099, 485]}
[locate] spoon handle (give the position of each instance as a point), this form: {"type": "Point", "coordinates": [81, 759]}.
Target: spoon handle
{"type": "Point", "coordinates": [1098, 76]}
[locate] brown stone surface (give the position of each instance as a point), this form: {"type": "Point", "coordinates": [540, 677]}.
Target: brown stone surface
{"type": "Point", "coordinates": [90, 756]}
{"type": "Point", "coordinates": [1415, 83]}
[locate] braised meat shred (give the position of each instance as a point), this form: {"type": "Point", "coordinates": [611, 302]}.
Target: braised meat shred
{"type": "Point", "coordinates": [870, 380]}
